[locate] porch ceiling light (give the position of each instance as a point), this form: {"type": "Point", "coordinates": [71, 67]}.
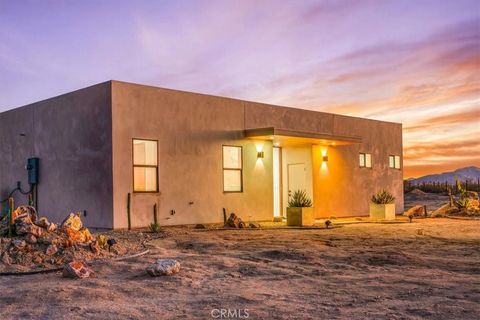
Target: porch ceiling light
{"type": "Point", "coordinates": [260, 154]}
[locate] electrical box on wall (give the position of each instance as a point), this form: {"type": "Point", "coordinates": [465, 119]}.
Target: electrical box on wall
{"type": "Point", "coordinates": [33, 166]}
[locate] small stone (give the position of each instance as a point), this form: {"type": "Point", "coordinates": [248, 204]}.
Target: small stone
{"type": "Point", "coordinates": [163, 267]}
{"type": "Point", "coordinates": [76, 270]}
{"type": "Point", "coordinates": [30, 238]}
{"type": "Point", "coordinates": [37, 258]}
{"type": "Point", "coordinates": [52, 227]}
{"type": "Point", "coordinates": [18, 244]}
{"type": "Point", "coordinates": [48, 240]}
{"type": "Point", "coordinates": [94, 247]}
{"type": "Point", "coordinates": [200, 226]}
{"type": "Point", "coordinates": [253, 225]}
{"type": "Point", "coordinates": [114, 250]}
{"type": "Point", "coordinates": [6, 259]}
{"type": "Point", "coordinates": [28, 228]}
{"type": "Point", "coordinates": [51, 250]}
{"type": "Point", "coordinates": [42, 222]}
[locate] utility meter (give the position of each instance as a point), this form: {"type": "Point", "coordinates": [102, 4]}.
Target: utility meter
{"type": "Point", "coordinates": [32, 168]}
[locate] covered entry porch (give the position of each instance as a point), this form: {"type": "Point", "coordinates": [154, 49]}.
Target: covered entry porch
{"type": "Point", "coordinates": [303, 161]}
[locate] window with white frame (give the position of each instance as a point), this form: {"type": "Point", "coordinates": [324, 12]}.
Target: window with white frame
{"type": "Point", "coordinates": [394, 162]}
{"type": "Point", "coordinates": [232, 169]}
{"type": "Point", "coordinates": [365, 160]}
{"type": "Point", "coordinates": [145, 165]}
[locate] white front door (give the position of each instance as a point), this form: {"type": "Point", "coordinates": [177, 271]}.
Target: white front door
{"type": "Point", "coordinates": [296, 178]}
{"type": "Point", "coordinates": [277, 182]}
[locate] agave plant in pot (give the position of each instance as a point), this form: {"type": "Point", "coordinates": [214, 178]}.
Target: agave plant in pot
{"type": "Point", "coordinates": [300, 210]}
{"type": "Point", "coordinates": [382, 206]}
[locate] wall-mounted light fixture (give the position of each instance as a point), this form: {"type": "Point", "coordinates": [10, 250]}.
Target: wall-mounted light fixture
{"type": "Point", "coordinates": [325, 158]}
{"type": "Point", "coordinates": [260, 154]}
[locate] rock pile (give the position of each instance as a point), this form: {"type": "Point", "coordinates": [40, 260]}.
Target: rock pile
{"type": "Point", "coordinates": [39, 243]}
{"type": "Point", "coordinates": [234, 222]}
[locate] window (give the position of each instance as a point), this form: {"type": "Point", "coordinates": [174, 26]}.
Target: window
{"type": "Point", "coordinates": [365, 160]}
{"type": "Point", "coordinates": [232, 169]}
{"type": "Point", "coordinates": [145, 165]}
{"type": "Point", "coordinates": [394, 162]}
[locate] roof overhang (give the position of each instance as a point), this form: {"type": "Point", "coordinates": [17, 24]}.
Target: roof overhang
{"type": "Point", "coordinates": [285, 137]}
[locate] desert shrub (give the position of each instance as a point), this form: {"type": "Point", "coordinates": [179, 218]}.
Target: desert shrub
{"type": "Point", "coordinates": [383, 197]}
{"type": "Point", "coordinates": [299, 200]}
{"type": "Point", "coordinates": [464, 197]}
{"type": "Point", "coordinates": [154, 227]}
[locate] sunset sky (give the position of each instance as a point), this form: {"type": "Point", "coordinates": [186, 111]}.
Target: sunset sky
{"type": "Point", "coordinates": [415, 62]}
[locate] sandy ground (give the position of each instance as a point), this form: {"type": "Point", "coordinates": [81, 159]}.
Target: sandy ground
{"type": "Point", "coordinates": [429, 269]}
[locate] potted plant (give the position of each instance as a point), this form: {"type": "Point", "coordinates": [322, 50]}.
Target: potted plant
{"type": "Point", "coordinates": [300, 210]}
{"type": "Point", "coordinates": [382, 206]}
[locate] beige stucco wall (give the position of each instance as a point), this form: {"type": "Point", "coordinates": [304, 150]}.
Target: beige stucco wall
{"type": "Point", "coordinates": [71, 134]}
{"type": "Point", "coordinates": [345, 188]}
{"type": "Point", "coordinates": [191, 130]}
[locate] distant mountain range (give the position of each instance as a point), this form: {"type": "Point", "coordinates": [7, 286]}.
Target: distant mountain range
{"type": "Point", "coordinates": [470, 174]}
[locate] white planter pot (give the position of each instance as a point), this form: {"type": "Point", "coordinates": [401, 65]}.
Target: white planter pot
{"type": "Point", "coordinates": [382, 211]}
{"type": "Point", "coordinates": [299, 217]}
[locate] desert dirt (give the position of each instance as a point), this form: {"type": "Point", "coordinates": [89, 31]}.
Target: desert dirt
{"type": "Point", "coordinates": [433, 201]}
{"type": "Point", "coordinates": [428, 269]}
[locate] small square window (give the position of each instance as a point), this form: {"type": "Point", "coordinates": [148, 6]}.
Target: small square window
{"type": "Point", "coordinates": [391, 161]}
{"type": "Point", "coordinates": [232, 180]}
{"type": "Point", "coordinates": [365, 160]}
{"type": "Point", "coordinates": [362, 159]}
{"type": "Point", "coordinates": [145, 165]}
{"type": "Point", "coordinates": [368, 160]}
{"type": "Point", "coordinates": [397, 162]}
{"type": "Point", "coordinates": [232, 169]}
{"type": "Point", "coordinates": [232, 157]}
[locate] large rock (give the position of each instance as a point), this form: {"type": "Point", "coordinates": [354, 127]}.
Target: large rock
{"type": "Point", "coordinates": [76, 270]}
{"type": "Point", "coordinates": [164, 267]}
{"type": "Point", "coordinates": [83, 235]}
{"type": "Point", "coordinates": [73, 221]}
{"type": "Point", "coordinates": [442, 211]}
{"type": "Point", "coordinates": [415, 211]}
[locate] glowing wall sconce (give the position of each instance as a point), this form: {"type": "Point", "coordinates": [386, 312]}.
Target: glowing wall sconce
{"type": "Point", "coordinates": [260, 154]}
{"type": "Point", "coordinates": [325, 158]}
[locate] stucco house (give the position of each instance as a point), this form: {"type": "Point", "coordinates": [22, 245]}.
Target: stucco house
{"type": "Point", "coordinates": [192, 155]}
